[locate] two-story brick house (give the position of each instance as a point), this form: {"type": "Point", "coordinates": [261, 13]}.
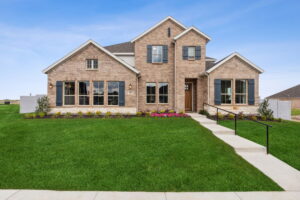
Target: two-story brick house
{"type": "Point", "coordinates": [166, 67]}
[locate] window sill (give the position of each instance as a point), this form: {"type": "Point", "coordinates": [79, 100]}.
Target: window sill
{"type": "Point", "coordinates": [91, 69]}
{"type": "Point", "coordinates": [157, 63]}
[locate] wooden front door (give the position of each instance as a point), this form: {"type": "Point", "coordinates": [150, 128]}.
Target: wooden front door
{"type": "Point", "coordinates": [188, 96]}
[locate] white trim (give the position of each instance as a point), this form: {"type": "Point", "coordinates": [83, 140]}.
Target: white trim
{"type": "Point", "coordinates": [190, 29]}
{"type": "Point", "coordinates": [97, 45]}
{"type": "Point", "coordinates": [241, 57]}
{"type": "Point", "coordinates": [155, 26]}
{"type": "Point", "coordinates": [124, 54]}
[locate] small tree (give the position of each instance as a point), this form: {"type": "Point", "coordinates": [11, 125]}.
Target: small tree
{"type": "Point", "coordinates": [264, 109]}
{"type": "Point", "coordinates": [43, 105]}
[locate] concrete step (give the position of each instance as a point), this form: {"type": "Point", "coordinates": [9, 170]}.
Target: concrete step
{"type": "Point", "coordinates": [217, 129]}
{"type": "Point", "coordinates": [241, 144]}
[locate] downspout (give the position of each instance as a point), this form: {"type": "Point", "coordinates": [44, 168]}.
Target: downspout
{"type": "Point", "coordinates": [137, 92]}
{"type": "Point", "coordinates": [208, 89]}
{"type": "Point", "coordinates": [175, 103]}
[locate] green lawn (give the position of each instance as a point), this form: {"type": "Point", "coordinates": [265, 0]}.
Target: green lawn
{"type": "Point", "coordinates": [295, 111]}
{"type": "Point", "coordinates": [137, 154]}
{"type": "Point", "coordinates": [284, 138]}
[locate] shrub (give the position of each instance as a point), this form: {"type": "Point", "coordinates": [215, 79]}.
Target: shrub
{"type": "Point", "coordinates": [153, 111]}
{"type": "Point", "coordinates": [57, 114]}
{"type": "Point", "coordinates": [139, 114]}
{"type": "Point", "coordinates": [108, 114]}
{"type": "Point", "coordinates": [34, 115]}
{"type": "Point", "coordinates": [43, 105]}
{"type": "Point", "coordinates": [89, 113]}
{"type": "Point", "coordinates": [241, 115]}
{"type": "Point", "coordinates": [79, 114]}
{"type": "Point", "coordinates": [279, 120]}
{"type": "Point", "coordinates": [203, 112]}
{"type": "Point", "coordinates": [253, 117]}
{"type": "Point", "coordinates": [148, 114]}
{"type": "Point", "coordinates": [68, 115]}
{"type": "Point", "coordinates": [220, 116]}
{"type": "Point", "coordinates": [231, 116]}
{"type": "Point", "coordinates": [162, 111]}
{"type": "Point", "coordinates": [172, 111]}
{"type": "Point", "coordinates": [263, 118]}
{"type": "Point", "coordinates": [98, 113]}
{"type": "Point", "coordinates": [264, 109]}
{"type": "Point", "coordinates": [28, 115]}
{"type": "Point", "coordinates": [41, 114]}
{"type": "Point", "coordinates": [118, 114]}
{"type": "Point", "coordinates": [181, 112]}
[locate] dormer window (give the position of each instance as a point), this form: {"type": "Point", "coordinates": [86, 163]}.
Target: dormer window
{"type": "Point", "coordinates": [191, 53]}
{"type": "Point", "coordinates": [92, 64]}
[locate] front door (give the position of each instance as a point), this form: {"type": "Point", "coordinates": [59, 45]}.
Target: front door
{"type": "Point", "coordinates": [188, 96]}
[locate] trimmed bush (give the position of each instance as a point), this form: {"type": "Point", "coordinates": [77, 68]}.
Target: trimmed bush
{"type": "Point", "coordinates": [172, 111]}
{"type": "Point", "coordinates": [241, 115]}
{"type": "Point", "coordinates": [220, 116]}
{"type": "Point", "coordinates": [108, 114]}
{"type": "Point", "coordinates": [162, 111]}
{"type": "Point", "coordinates": [89, 114]}
{"type": "Point", "coordinates": [80, 114]}
{"type": "Point", "coordinates": [57, 114]}
{"type": "Point", "coordinates": [231, 116]}
{"type": "Point", "coordinates": [139, 114]}
{"type": "Point", "coordinates": [98, 113]}
{"type": "Point", "coordinates": [148, 114]}
{"type": "Point", "coordinates": [28, 115]}
{"type": "Point", "coordinates": [182, 112]}
{"type": "Point", "coordinates": [263, 118]}
{"type": "Point", "coordinates": [253, 117]}
{"type": "Point", "coordinates": [41, 114]}
{"type": "Point", "coordinates": [68, 115]}
{"type": "Point", "coordinates": [34, 115]}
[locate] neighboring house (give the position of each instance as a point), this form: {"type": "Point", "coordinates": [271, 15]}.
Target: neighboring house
{"type": "Point", "coordinates": [166, 67]}
{"type": "Point", "coordinates": [292, 94]}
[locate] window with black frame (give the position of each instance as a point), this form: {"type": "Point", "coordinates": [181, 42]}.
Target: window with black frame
{"type": "Point", "coordinates": [163, 92]}
{"type": "Point", "coordinates": [113, 93]}
{"type": "Point", "coordinates": [69, 93]}
{"type": "Point", "coordinates": [84, 93]}
{"type": "Point", "coordinates": [98, 93]}
{"type": "Point", "coordinates": [151, 88]}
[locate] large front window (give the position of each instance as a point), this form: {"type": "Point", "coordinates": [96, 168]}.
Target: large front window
{"type": "Point", "coordinates": [69, 93]}
{"type": "Point", "coordinates": [84, 98]}
{"type": "Point", "coordinates": [151, 87]}
{"type": "Point", "coordinates": [98, 92]}
{"type": "Point", "coordinates": [157, 54]}
{"type": "Point", "coordinates": [240, 91]}
{"type": "Point", "coordinates": [163, 92]}
{"type": "Point", "coordinates": [226, 92]}
{"type": "Point", "coordinates": [113, 93]}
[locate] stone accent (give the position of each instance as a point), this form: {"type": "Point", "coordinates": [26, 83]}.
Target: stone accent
{"type": "Point", "coordinates": [74, 69]}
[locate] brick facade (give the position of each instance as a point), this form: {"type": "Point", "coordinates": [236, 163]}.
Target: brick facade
{"type": "Point", "coordinates": [74, 69]}
{"type": "Point", "coordinates": [175, 72]}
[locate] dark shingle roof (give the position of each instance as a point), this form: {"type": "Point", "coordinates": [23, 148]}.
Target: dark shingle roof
{"type": "Point", "coordinates": [291, 92]}
{"type": "Point", "coordinates": [125, 47]}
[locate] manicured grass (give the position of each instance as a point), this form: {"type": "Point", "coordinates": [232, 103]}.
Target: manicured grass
{"type": "Point", "coordinates": [137, 154]}
{"type": "Point", "coordinates": [284, 138]}
{"type": "Point", "coordinates": [295, 111]}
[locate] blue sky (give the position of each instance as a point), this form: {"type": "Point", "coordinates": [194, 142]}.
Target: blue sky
{"type": "Point", "coordinates": [35, 33]}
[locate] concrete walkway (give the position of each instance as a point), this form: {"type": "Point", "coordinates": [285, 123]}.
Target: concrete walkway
{"type": "Point", "coordinates": [95, 195]}
{"type": "Point", "coordinates": [280, 172]}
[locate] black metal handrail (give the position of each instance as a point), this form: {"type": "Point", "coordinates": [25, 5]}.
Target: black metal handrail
{"type": "Point", "coordinates": [235, 123]}
{"type": "Point", "coordinates": [235, 115]}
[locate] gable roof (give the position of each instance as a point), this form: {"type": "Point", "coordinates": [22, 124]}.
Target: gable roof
{"type": "Point", "coordinates": [155, 26]}
{"type": "Point", "coordinates": [291, 92]}
{"type": "Point", "coordinates": [192, 28]}
{"type": "Point", "coordinates": [222, 61]}
{"type": "Point", "coordinates": [98, 46]}
{"type": "Point", "coordinates": [125, 47]}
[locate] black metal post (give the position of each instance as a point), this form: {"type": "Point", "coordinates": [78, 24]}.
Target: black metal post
{"type": "Point", "coordinates": [217, 115]}
{"type": "Point", "coordinates": [267, 139]}
{"type": "Point", "coordinates": [235, 124]}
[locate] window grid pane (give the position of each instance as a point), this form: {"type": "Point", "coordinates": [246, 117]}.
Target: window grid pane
{"type": "Point", "coordinates": [191, 52]}
{"type": "Point", "coordinates": [240, 91]}
{"type": "Point", "coordinates": [113, 93]}
{"type": "Point", "coordinates": [84, 87]}
{"type": "Point", "coordinates": [92, 63]}
{"type": "Point", "coordinates": [226, 92]}
{"type": "Point", "coordinates": [150, 90]}
{"type": "Point", "coordinates": [98, 93]}
{"type": "Point", "coordinates": [69, 93]}
{"type": "Point", "coordinates": [163, 92]}
{"type": "Point", "coordinates": [157, 54]}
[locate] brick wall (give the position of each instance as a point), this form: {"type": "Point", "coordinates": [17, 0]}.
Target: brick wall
{"type": "Point", "coordinates": [74, 69]}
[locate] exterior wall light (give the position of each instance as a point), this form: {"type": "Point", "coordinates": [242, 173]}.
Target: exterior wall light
{"type": "Point", "coordinates": [50, 85]}
{"type": "Point", "coordinates": [130, 86]}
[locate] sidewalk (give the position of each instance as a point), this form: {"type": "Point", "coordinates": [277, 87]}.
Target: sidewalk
{"type": "Point", "coordinates": [280, 172]}
{"type": "Point", "coordinates": [80, 195]}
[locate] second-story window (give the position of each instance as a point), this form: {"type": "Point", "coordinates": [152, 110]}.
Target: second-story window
{"type": "Point", "coordinates": [157, 54]}
{"type": "Point", "coordinates": [92, 63]}
{"type": "Point", "coordinates": [191, 53]}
